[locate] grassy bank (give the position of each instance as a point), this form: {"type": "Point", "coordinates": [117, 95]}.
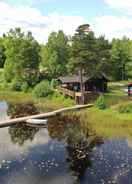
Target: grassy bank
{"type": "Point", "coordinates": [49, 103]}
{"type": "Point", "coordinates": [116, 93]}
{"type": "Point", "coordinates": [110, 123]}
{"type": "Point", "coordinates": [46, 104]}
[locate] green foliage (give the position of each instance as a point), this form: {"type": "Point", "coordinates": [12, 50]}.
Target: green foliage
{"type": "Point", "coordinates": [16, 84]}
{"type": "Point", "coordinates": [56, 101]}
{"type": "Point", "coordinates": [103, 48]}
{"type": "Point", "coordinates": [22, 56]}
{"type": "Point", "coordinates": [26, 62]}
{"type": "Point", "coordinates": [125, 108]}
{"type": "Point", "coordinates": [55, 55]}
{"type": "Point", "coordinates": [54, 83]}
{"type": "Point", "coordinates": [89, 53]}
{"type": "Point", "coordinates": [82, 53]}
{"type": "Point", "coordinates": [1, 75]}
{"type": "Point", "coordinates": [121, 59]}
{"type": "Point", "coordinates": [100, 102]}
{"type": "Point", "coordinates": [2, 53]}
{"type": "Point", "coordinates": [43, 89]}
{"type": "Point", "coordinates": [24, 87]}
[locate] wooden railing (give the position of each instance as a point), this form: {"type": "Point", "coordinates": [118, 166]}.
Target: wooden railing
{"type": "Point", "coordinates": [66, 92]}
{"type": "Point", "coordinates": [71, 93]}
{"type": "Point", "coordinates": [88, 95]}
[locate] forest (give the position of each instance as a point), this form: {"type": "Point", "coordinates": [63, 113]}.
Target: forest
{"type": "Point", "coordinates": [27, 65]}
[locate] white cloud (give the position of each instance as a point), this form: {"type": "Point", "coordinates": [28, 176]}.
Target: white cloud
{"type": "Point", "coordinates": [113, 26]}
{"type": "Point", "coordinates": [32, 19]}
{"type": "Point", "coordinates": [29, 18]}
{"type": "Point", "coordinates": [33, 2]}
{"type": "Point", "coordinates": [125, 5]}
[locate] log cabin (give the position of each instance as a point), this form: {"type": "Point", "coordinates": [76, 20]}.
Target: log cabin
{"type": "Point", "coordinates": [71, 85]}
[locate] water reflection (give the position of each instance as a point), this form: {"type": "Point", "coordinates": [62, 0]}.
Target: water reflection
{"type": "Point", "coordinates": [16, 110]}
{"type": "Point", "coordinates": [63, 153]}
{"type": "Point", "coordinates": [3, 110]}
{"type": "Point", "coordinates": [79, 143]}
{"type": "Point", "coordinates": [21, 133]}
{"type": "Point", "coordinates": [79, 148]}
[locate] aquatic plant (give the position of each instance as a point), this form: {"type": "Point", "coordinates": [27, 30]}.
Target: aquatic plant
{"type": "Point", "coordinates": [125, 108]}
{"type": "Point", "coordinates": [100, 102]}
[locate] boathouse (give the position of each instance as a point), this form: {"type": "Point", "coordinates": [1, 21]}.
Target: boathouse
{"type": "Point", "coordinates": [71, 86]}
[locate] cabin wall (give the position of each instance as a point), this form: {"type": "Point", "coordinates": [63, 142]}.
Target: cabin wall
{"type": "Point", "coordinates": [96, 85]}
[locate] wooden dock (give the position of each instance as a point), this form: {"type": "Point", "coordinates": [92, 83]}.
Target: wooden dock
{"type": "Point", "coordinates": [11, 122]}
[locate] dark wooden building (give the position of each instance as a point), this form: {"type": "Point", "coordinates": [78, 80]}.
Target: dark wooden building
{"type": "Point", "coordinates": [90, 83]}
{"type": "Point", "coordinates": [92, 87]}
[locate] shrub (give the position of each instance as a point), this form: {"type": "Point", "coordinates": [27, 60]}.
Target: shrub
{"type": "Point", "coordinates": [4, 86]}
{"type": "Point", "coordinates": [19, 85]}
{"type": "Point", "coordinates": [125, 108]}
{"type": "Point", "coordinates": [16, 84]}
{"type": "Point", "coordinates": [1, 75]}
{"type": "Point", "coordinates": [100, 102]}
{"type": "Point", "coordinates": [54, 83]}
{"type": "Point", "coordinates": [24, 87]}
{"type": "Point", "coordinates": [43, 89]}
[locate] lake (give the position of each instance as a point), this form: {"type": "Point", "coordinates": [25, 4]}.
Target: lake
{"type": "Point", "coordinates": [64, 152]}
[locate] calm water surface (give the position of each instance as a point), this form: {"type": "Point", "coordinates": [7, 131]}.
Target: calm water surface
{"type": "Point", "coordinates": [62, 153]}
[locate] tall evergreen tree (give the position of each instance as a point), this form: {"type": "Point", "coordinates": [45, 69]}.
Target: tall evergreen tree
{"type": "Point", "coordinates": [83, 57]}
{"type": "Point", "coordinates": [89, 55]}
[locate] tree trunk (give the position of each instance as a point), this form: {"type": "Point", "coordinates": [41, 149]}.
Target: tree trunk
{"type": "Point", "coordinates": [82, 86]}
{"type": "Point", "coordinates": [123, 72]}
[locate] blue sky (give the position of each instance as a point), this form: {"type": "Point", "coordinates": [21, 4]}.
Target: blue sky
{"type": "Point", "coordinates": [86, 8]}
{"type": "Point", "coordinates": [112, 18]}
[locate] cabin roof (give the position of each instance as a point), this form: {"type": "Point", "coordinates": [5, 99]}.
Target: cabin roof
{"type": "Point", "coordinates": [76, 78]}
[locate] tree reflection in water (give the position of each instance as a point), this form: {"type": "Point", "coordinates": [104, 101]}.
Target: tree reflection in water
{"type": "Point", "coordinates": [79, 143]}
{"type": "Point", "coordinates": [16, 110]}
{"type": "Point", "coordinates": [57, 128]}
{"type": "Point", "coordinates": [21, 133]}
{"type": "Point", "coordinates": [79, 148]}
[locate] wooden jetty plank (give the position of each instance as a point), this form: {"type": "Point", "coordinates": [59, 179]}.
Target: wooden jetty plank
{"type": "Point", "coordinates": [14, 121]}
